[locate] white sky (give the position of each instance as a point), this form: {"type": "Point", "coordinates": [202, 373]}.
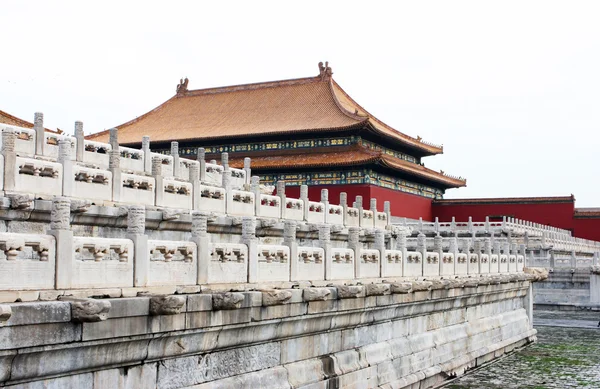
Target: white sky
{"type": "Point", "coordinates": [511, 88]}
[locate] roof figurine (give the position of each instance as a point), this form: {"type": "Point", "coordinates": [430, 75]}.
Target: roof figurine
{"type": "Point", "coordinates": [183, 86]}
{"type": "Point", "coordinates": [325, 72]}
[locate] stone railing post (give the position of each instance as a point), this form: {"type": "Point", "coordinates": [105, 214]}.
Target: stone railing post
{"type": "Point", "coordinates": [249, 239]}
{"type": "Point", "coordinates": [325, 201]}
{"type": "Point", "coordinates": [289, 240]}
{"type": "Point", "coordinates": [487, 247]}
{"type": "Point", "coordinates": [437, 247]}
{"type": "Point", "coordinates": [60, 228]}
{"type": "Point", "coordinates": [38, 127]}
{"type": "Point", "coordinates": [194, 178]}
{"type": "Point", "coordinates": [487, 224]}
{"type": "Point", "coordinates": [373, 208]}
{"type": "Point", "coordinates": [136, 228]}
{"type": "Point", "coordinates": [522, 251]}
{"type": "Point", "coordinates": [255, 188]}
{"type": "Point", "coordinates": [247, 172]}
{"type": "Point", "coordinates": [304, 198]}
{"type": "Point", "coordinates": [202, 240]}
{"type": "Point", "coordinates": [80, 139]}
{"type": "Point", "coordinates": [281, 195]}
{"type": "Point", "coordinates": [344, 205]}
{"type": "Point", "coordinates": [9, 138]}
{"type": "Point", "coordinates": [354, 244]}
{"type": "Point", "coordinates": [225, 161]}
{"type": "Point", "coordinates": [158, 179]}
{"type": "Point", "coordinates": [325, 244]}
{"type": "Point", "coordinates": [387, 209]}
{"type": "Point", "coordinates": [453, 224]}
{"type": "Point", "coordinates": [401, 246]}
{"type": "Point", "coordinates": [147, 154]}
{"type": "Point", "coordinates": [422, 248]}
{"type": "Point", "coordinates": [453, 249]}
{"type": "Point", "coordinates": [64, 158]}
{"type": "Point", "coordinates": [200, 157]}
{"type": "Point", "coordinates": [595, 285]}
{"type": "Point", "coordinates": [175, 155]}
{"type": "Point", "coordinates": [358, 203]}
{"type": "Point", "coordinates": [380, 246]}
{"type": "Point", "coordinates": [114, 165]}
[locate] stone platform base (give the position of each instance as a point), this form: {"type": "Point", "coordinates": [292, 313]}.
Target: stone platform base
{"type": "Point", "coordinates": [361, 336]}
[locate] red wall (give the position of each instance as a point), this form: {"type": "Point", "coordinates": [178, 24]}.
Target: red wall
{"type": "Point", "coordinates": [553, 214]}
{"type": "Point", "coordinates": [402, 204]}
{"type": "Point", "coordinates": [587, 228]}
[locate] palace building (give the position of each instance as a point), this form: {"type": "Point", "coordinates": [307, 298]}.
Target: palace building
{"type": "Point", "coordinates": [301, 131]}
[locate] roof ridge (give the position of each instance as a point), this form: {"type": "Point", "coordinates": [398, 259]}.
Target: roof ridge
{"type": "Point", "coordinates": [250, 86]}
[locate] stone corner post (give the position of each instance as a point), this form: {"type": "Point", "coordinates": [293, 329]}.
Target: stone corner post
{"type": "Point", "coordinates": [158, 179]}
{"type": "Point", "coordinates": [60, 228]}
{"type": "Point", "coordinates": [304, 198]}
{"type": "Point", "coordinates": [176, 159]}
{"type": "Point", "coordinates": [136, 228]}
{"type": "Point", "coordinates": [147, 154]}
{"type": "Point", "coordinates": [344, 205]}
{"type": "Point", "coordinates": [38, 127]}
{"type": "Point", "coordinates": [255, 189]}
{"type": "Point", "coordinates": [201, 158]}
{"type": "Point", "coordinates": [325, 202]}
{"type": "Point", "coordinates": [401, 245]}
{"type": "Point", "coordinates": [289, 240]}
{"type": "Point", "coordinates": [9, 139]}
{"type": "Point", "coordinates": [194, 179]}
{"type": "Point", "coordinates": [325, 244]}
{"type": "Point", "coordinates": [248, 171]}
{"type": "Point", "coordinates": [64, 158]}
{"type": "Point", "coordinates": [80, 139]}
{"type": "Point", "coordinates": [202, 240]}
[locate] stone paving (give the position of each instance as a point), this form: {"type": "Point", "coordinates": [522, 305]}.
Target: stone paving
{"type": "Point", "coordinates": [565, 356]}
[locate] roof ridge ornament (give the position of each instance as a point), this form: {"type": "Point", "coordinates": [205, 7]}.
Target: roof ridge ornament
{"type": "Point", "coordinates": [182, 87]}
{"type": "Point", "coordinates": [325, 72]}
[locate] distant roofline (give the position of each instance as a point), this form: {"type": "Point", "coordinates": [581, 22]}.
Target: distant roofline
{"type": "Point", "coordinates": [507, 200]}
{"type": "Point", "coordinates": [23, 123]}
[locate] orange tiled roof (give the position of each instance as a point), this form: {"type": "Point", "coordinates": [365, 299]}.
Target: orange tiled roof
{"type": "Point", "coordinates": [7, 118]}
{"type": "Point", "coordinates": [508, 200]}
{"type": "Point", "coordinates": [351, 156]}
{"type": "Point", "coordinates": [314, 104]}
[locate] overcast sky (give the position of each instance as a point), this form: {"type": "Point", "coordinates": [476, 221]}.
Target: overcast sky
{"type": "Point", "coordinates": [510, 88]}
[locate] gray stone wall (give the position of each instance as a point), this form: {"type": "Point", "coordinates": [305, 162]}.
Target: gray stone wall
{"type": "Point", "coordinates": [364, 335]}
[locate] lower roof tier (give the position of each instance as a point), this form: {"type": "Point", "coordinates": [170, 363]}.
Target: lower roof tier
{"type": "Point", "coordinates": [346, 157]}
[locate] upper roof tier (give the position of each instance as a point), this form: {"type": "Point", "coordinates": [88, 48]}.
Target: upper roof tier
{"type": "Point", "coordinates": [304, 105]}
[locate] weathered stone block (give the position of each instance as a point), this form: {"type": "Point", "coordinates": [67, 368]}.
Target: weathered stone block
{"type": "Point", "coordinates": [352, 291]}
{"type": "Point", "coordinates": [310, 346]}
{"type": "Point", "coordinates": [377, 289]}
{"type": "Point", "coordinates": [199, 302]}
{"type": "Point", "coordinates": [166, 305]}
{"type": "Point", "coordinates": [276, 297]}
{"type": "Point", "coordinates": [227, 300]}
{"type": "Point", "coordinates": [129, 306]}
{"type": "Point", "coordinates": [112, 328]}
{"type": "Point", "coordinates": [316, 294]}
{"type": "Point", "coordinates": [401, 287]}
{"type": "Point", "coordinates": [88, 310]}
{"type": "Point", "coordinates": [179, 372]}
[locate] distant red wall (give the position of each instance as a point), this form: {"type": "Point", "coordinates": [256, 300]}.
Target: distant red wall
{"type": "Point", "coordinates": [587, 228]}
{"type": "Point", "coordinates": [402, 204]}
{"type": "Point", "coordinates": [549, 213]}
